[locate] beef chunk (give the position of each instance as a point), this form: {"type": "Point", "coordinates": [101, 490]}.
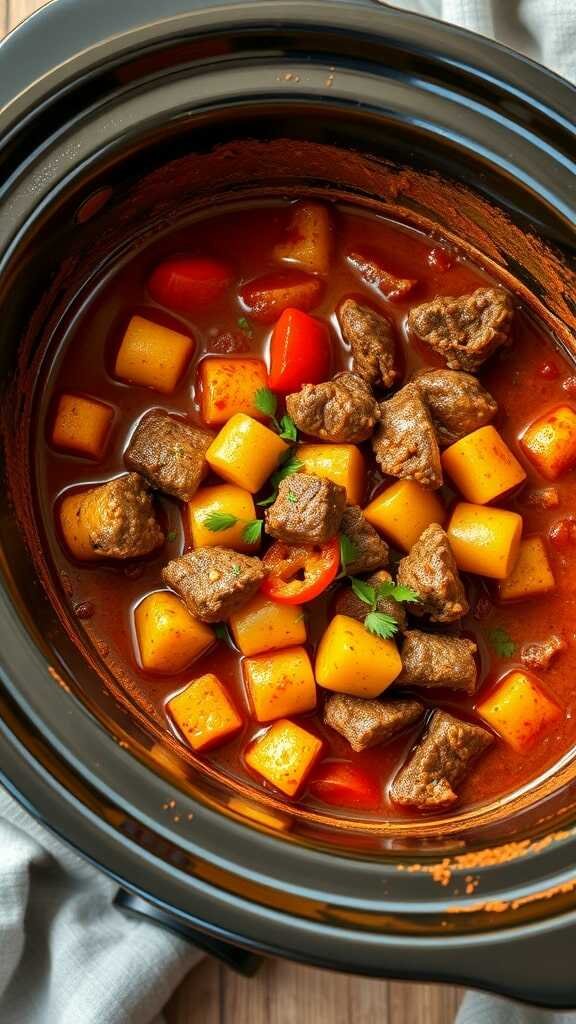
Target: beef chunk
{"type": "Point", "coordinates": [214, 582]}
{"type": "Point", "coordinates": [405, 443]}
{"type": "Point", "coordinates": [439, 763]}
{"type": "Point", "coordinates": [430, 659]}
{"type": "Point", "coordinates": [119, 516]}
{"type": "Point", "coordinates": [364, 723]}
{"type": "Point", "coordinates": [348, 604]}
{"type": "Point", "coordinates": [430, 569]}
{"type": "Point", "coordinates": [308, 510]}
{"type": "Point", "coordinates": [540, 655]}
{"type": "Point", "coordinates": [343, 409]}
{"type": "Point", "coordinates": [371, 338]}
{"type": "Point", "coordinates": [169, 453]}
{"type": "Point", "coordinates": [457, 403]}
{"type": "Point", "coordinates": [372, 551]}
{"type": "Point", "coordinates": [465, 330]}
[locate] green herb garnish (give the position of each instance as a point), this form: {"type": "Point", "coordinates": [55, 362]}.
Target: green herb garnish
{"type": "Point", "coordinates": [222, 633]}
{"type": "Point", "coordinates": [501, 641]}
{"type": "Point", "coordinates": [171, 535]}
{"type": "Point", "coordinates": [348, 551]}
{"type": "Point", "coordinates": [218, 521]}
{"type": "Point", "coordinates": [292, 497]}
{"type": "Point", "coordinates": [245, 326]}
{"type": "Point", "coordinates": [252, 532]}
{"type": "Point", "coordinates": [382, 625]}
{"type": "Point", "coordinates": [289, 465]}
{"type": "Point", "coordinates": [267, 403]}
{"type": "Point", "coordinates": [379, 623]}
{"type": "Point", "coordinates": [288, 429]}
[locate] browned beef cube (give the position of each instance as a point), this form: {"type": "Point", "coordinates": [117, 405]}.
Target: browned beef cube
{"type": "Point", "coordinates": [120, 519]}
{"type": "Point", "coordinates": [308, 510]}
{"type": "Point", "coordinates": [364, 723]}
{"type": "Point", "coordinates": [342, 409]}
{"type": "Point", "coordinates": [169, 453]}
{"type": "Point", "coordinates": [404, 441]}
{"type": "Point", "coordinates": [348, 604]}
{"type": "Point", "coordinates": [372, 340]}
{"type": "Point", "coordinates": [430, 570]}
{"type": "Point", "coordinates": [372, 551]}
{"type": "Point", "coordinates": [214, 582]}
{"type": "Point", "coordinates": [439, 763]}
{"type": "Point", "coordinates": [430, 659]}
{"type": "Point", "coordinates": [465, 330]}
{"type": "Point", "coordinates": [457, 403]}
{"type": "Point", "coordinates": [540, 655]}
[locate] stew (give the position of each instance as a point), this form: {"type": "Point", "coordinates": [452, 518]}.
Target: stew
{"type": "Point", "coordinates": [306, 477]}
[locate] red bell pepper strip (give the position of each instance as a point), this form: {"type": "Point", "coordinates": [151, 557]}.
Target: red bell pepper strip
{"type": "Point", "coordinates": [345, 785]}
{"type": "Point", "coordinates": [299, 352]}
{"type": "Point", "coordinates": [285, 564]}
{"type": "Point", "coordinates": [185, 284]}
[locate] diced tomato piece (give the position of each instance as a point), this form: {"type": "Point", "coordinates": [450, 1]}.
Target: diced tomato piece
{"type": "Point", "coordinates": [299, 352]}
{"type": "Point", "coordinates": [372, 270]}
{"type": "Point", "coordinates": [267, 297]}
{"type": "Point", "coordinates": [296, 574]}
{"type": "Point", "coordinates": [186, 284]}
{"type": "Point", "coordinates": [345, 785]}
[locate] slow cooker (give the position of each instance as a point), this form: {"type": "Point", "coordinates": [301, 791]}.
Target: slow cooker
{"type": "Point", "coordinates": [113, 117]}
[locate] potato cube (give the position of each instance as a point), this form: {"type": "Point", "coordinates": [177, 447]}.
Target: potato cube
{"type": "Point", "coordinates": [342, 463]}
{"type": "Point", "coordinates": [169, 638]}
{"type": "Point", "coordinates": [482, 467]}
{"type": "Point", "coordinates": [262, 625]}
{"type": "Point", "coordinates": [485, 540]}
{"type": "Point", "coordinates": [280, 684]}
{"type": "Point", "coordinates": [531, 574]}
{"type": "Point", "coordinates": [262, 815]}
{"type": "Point", "coordinates": [550, 443]}
{"type": "Point", "coordinates": [403, 511]}
{"type": "Point", "coordinates": [153, 356]}
{"type": "Point", "coordinates": [245, 452]}
{"type": "Point", "coordinates": [519, 710]}
{"type": "Point", "coordinates": [284, 755]}
{"type": "Point", "coordinates": [223, 499]}
{"type": "Point", "coordinates": [309, 240]}
{"type": "Point", "coordinates": [352, 660]}
{"type": "Point", "coordinates": [229, 386]}
{"type": "Point", "coordinates": [75, 529]}
{"type": "Point", "coordinates": [204, 713]}
{"type": "Point", "coordinates": [82, 425]}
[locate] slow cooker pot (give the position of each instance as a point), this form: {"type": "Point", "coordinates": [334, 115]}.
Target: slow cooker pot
{"type": "Point", "coordinates": [114, 119]}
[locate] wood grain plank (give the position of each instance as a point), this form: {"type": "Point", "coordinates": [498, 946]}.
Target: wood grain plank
{"type": "Point", "coordinates": [285, 993]}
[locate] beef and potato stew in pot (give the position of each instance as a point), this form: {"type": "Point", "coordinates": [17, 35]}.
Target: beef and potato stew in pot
{"type": "Point", "coordinates": [306, 480]}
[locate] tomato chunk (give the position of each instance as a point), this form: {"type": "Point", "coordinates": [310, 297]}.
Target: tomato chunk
{"type": "Point", "coordinates": [186, 284]}
{"type": "Point", "coordinates": [299, 352]}
{"type": "Point", "coordinates": [345, 785]}
{"type": "Point", "coordinates": [267, 297]}
{"type": "Point", "coordinates": [296, 574]}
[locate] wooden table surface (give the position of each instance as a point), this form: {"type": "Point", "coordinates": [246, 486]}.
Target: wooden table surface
{"type": "Point", "coordinates": [284, 993]}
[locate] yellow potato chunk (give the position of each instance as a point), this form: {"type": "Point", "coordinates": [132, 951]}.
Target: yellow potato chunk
{"type": "Point", "coordinates": [482, 467]}
{"type": "Point", "coordinates": [485, 540]}
{"type": "Point", "coordinates": [550, 442]}
{"type": "Point", "coordinates": [229, 386]}
{"type": "Point", "coordinates": [262, 815]}
{"type": "Point", "coordinates": [223, 499]}
{"type": "Point", "coordinates": [403, 511]}
{"type": "Point", "coordinates": [309, 241]}
{"type": "Point", "coordinates": [75, 529]}
{"type": "Point", "coordinates": [352, 660]}
{"type": "Point", "coordinates": [245, 452]}
{"type": "Point", "coordinates": [82, 425]}
{"type": "Point", "coordinates": [342, 463]}
{"type": "Point", "coordinates": [279, 684]}
{"type": "Point", "coordinates": [169, 638]}
{"type": "Point", "coordinates": [153, 356]}
{"type": "Point", "coordinates": [531, 574]}
{"type": "Point", "coordinates": [263, 625]}
{"type": "Point", "coordinates": [204, 713]}
{"type": "Point", "coordinates": [519, 710]}
{"type": "Point", "coordinates": [284, 755]}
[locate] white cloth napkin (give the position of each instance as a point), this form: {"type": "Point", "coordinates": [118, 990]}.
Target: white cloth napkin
{"type": "Point", "coordinates": [67, 956]}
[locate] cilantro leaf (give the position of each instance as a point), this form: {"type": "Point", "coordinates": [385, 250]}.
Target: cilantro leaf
{"type": "Point", "coordinates": [396, 591]}
{"type": "Point", "coordinates": [266, 402]}
{"type": "Point", "coordinates": [293, 498]}
{"type": "Point", "coordinates": [381, 625]}
{"type": "Point", "coordinates": [289, 465]}
{"type": "Point", "coordinates": [348, 551]}
{"type": "Point", "coordinates": [364, 591]}
{"type": "Point", "coordinates": [218, 521]}
{"type": "Point", "coordinates": [252, 532]}
{"type": "Point", "coordinates": [288, 431]}
{"type": "Point", "coordinates": [245, 326]}
{"type": "Point", "coordinates": [222, 633]}
{"type": "Point", "coordinates": [171, 535]}
{"type": "Point", "coordinates": [501, 641]}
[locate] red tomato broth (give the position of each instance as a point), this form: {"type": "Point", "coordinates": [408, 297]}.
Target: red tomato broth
{"type": "Point", "coordinates": [244, 238]}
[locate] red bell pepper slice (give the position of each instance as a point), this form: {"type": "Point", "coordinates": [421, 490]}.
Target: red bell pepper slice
{"type": "Point", "coordinates": [345, 785]}
{"type": "Point", "coordinates": [267, 297]}
{"type": "Point", "coordinates": [296, 574]}
{"type": "Point", "coordinates": [299, 352]}
{"type": "Point", "coordinates": [185, 284]}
